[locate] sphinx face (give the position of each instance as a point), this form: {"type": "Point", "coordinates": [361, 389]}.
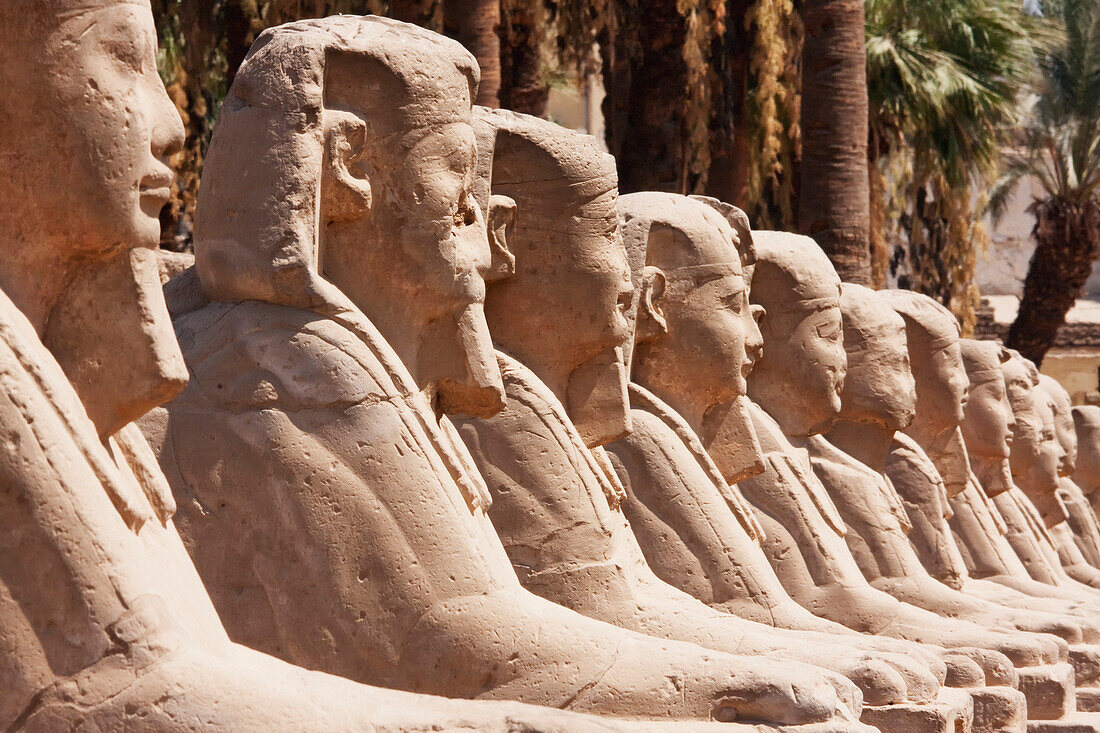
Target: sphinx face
{"type": "Point", "coordinates": [942, 384]}
{"type": "Point", "coordinates": [713, 339]}
{"type": "Point", "coordinates": [1052, 457]}
{"type": "Point", "coordinates": [1036, 455]}
{"type": "Point", "coordinates": [566, 304]}
{"type": "Point", "coordinates": [411, 247]}
{"type": "Point", "coordinates": [988, 420]}
{"type": "Point", "coordinates": [1063, 424]}
{"type": "Point", "coordinates": [879, 383]}
{"type": "Point", "coordinates": [806, 365]}
{"type": "Point", "coordinates": [442, 228]}
{"type": "Point", "coordinates": [99, 127]}
{"type": "Point", "coordinates": [1087, 423]}
{"type": "Point", "coordinates": [592, 282]}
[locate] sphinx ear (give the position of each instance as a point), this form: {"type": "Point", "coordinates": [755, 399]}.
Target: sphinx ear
{"type": "Point", "coordinates": [501, 224]}
{"type": "Point", "coordinates": [346, 187]}
{"type": "Point", "coordinates": [651, 317]}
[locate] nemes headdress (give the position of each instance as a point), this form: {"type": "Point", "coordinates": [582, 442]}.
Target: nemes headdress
{"type": "Point", "coordinates": [257, 228]}
{"type": "Point", "coordinates": [925, 318]}
{"type": "Point", "coordinates": [792, 273]}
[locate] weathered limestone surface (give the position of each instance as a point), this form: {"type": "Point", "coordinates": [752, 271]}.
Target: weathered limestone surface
{"type": "Point", "coordinates": [435, 426]}
{"type": "Point", "coordinates": [798, 381]}
{"type": "Point", "coordinates": [560, 327]}
{"type": "Point", "coordinates": [104, 623]}
{"type": "Point", "coordinates": [334, 514]}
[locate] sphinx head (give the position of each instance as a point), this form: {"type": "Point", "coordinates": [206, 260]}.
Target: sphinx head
{"type": "Point", "coordinates": [987, 418]}
{"type": "Point", "coordinates": [345, 155]}
{"type": "Point", "coordinates": [1063, 421]}
{"type": "Point", "coordinates": [562, 312]}
{"type": "Point", "coordinates": [696, 337]}
{"type": "Point", "coordinates": [1036, 454]}
{"type": "Point", "coordinates": [1086, 422]}
{"type": "Point", "coordinates": [799, 378]}
{"type": "Point", "coordinates": [695, 331]}
{"type": "Point", "coordinates": [86, 133]}
{"type": "Point", "coordinates": [935, 356]}
{"type": "Point", "coordinates": [878, 386]}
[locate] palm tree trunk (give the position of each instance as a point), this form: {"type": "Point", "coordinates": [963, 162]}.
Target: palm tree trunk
{"type": "Point", "coordinates": [424, 13]}
{"type": "Point", "coordinates": [475, 24]}
{"type": "Point", "coordinates": [644, 109]}
{"type": "Point", "coordinates": [834, 201]}
{"type": "Point", "coordinates": [1067, 241]}
{"type": "Point", "coordinates": [522, 87]}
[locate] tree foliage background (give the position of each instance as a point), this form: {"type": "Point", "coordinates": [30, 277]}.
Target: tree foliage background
{"type": "Point", "coordinates": [705, 96]}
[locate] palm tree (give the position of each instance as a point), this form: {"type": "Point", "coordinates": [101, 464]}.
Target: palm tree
{"type": "Point", "coordinates": [476, 24]}
{"type": "Point", "coordinates": [944, 80]}
{"type": "Point", "coordinates": [834, 199]}
{"type": "Point", "coordinates": [1061, 152]}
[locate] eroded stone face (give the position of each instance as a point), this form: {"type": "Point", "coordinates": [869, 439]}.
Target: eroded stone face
{"type": "Point", "coordinates": [87, 138]}
{"type": "Point", "coordinates": [1064, 428]}
{"type": "Point", "coordinates": [563, 311]}
{"type": "Point", "coordinates": [698, 331]}
{"type": "Point", "coordinates": [799, 378]}
{"type": "Point", "coordinates": [988, 418]}
{"type": "Point", "coordinates": [879, 384]}
{"type": "Point", "coordinates": [95, 164]}
{"type": "Point", "coordinates": [935, 356]}
{"type": "Point", "coordinates": [1036, 455]}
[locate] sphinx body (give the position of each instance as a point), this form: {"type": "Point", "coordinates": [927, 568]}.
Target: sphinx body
{"type": "Point", "coordinates": [106, 625]}
{"type": "Point", "coordinates": [1077, 536]}
{"type": "Point", "coordinates": [879, 398]}
{"type": "Point", "coordinates": [311, 427]}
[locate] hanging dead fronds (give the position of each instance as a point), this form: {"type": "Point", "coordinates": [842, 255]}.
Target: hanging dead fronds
{"type": "Point", "coordinates": [773, 106]}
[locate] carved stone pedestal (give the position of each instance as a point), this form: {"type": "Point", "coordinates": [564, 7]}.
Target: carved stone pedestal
{"type": "Point", "coordinates": [952, 712]}
{"type": "Point", "coordinates": [1049, 691]}
{"type": "Point", "coordinates": [1088, 700]}
{"type": "Point", "coordinates": [1075, 723]}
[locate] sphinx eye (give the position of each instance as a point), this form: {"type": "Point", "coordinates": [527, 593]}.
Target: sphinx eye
{"type": "Point", "coordinates": [732, 301]}
{"type": "Point", "coordinates": [127, 51]}
{"type": "Point", "coordinates": [829, 331]}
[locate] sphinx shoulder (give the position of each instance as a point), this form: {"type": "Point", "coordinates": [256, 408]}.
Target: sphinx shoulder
{"type": "Point", "coordinates": [254, 355]}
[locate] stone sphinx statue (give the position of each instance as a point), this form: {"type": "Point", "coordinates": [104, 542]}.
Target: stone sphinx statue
{"type": "Point", "coordinates": [929, 466]}
{"type": "Point", "coordinates": [796, 388]}
{"type": "Point", "coordinates": [879, 398]}
{"type": "Point", "coordinates": [559, 325]}
{"type": "Point", "coordinates": [1078, 538]}
{"type": "Point", "coordinates": [994, 547]}
{"type": "Point", "coordinates": [932, 444]}
{"type": "Point", "coordinates": [104, 623]}
{"type": "Point", "coordinates": [1037, 460]}
{"type": "Point", "coordinates": [696, 339]}
{"type": "Point", "coordinates": [344, 256]}
{"type": "Point", "coordinates": [1086, 473]}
